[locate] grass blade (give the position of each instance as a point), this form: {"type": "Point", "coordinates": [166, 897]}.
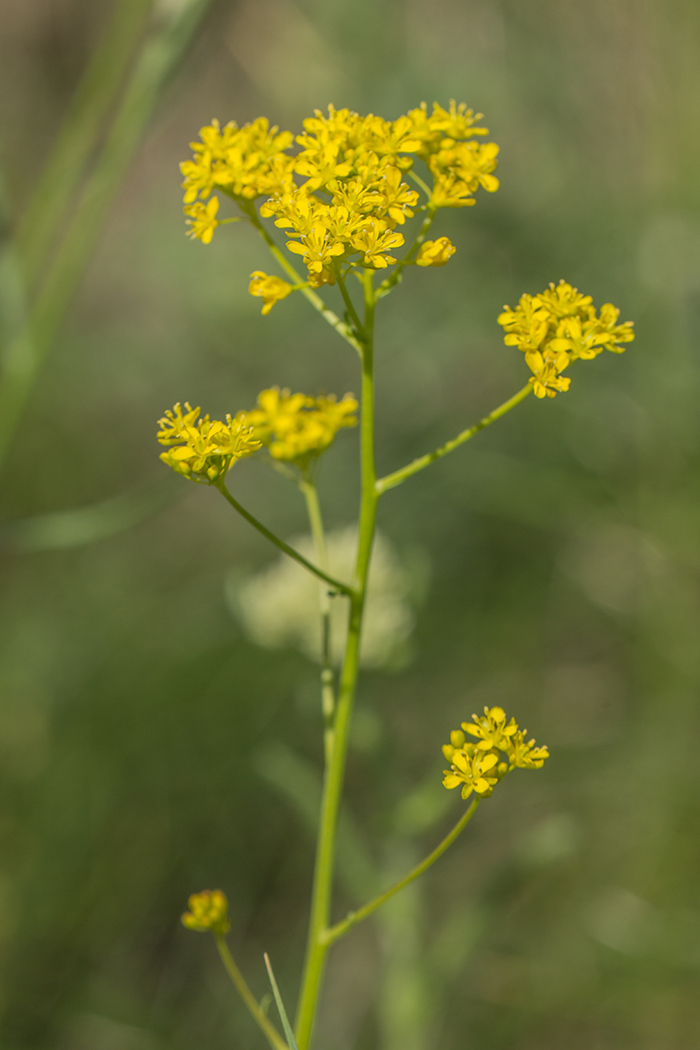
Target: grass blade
{"type": "Point", "coordinates": [280, 1006]}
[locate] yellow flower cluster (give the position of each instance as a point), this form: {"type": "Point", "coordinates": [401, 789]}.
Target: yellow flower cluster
{"type": "Point", "coordinates": [352, 196]}
{"type": "Point", "coordinates": [500, 747]}
{"type": "Point", "coordinates": [203, 449]}
{"type": "Point", "coordinates": [244, 163]}
{"type": "Point", "coordinates": [297, 428]}
{"type": "Point", "coordinates": [559, 326]}
{"type": "Point", "coordinates": [208, 911]}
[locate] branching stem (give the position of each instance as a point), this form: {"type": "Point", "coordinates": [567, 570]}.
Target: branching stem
{"type": "Point", "coordinates": [392, 480]}
{"type": "Point", "coordinates": [341, 928]}
{"type": "Point", "coordinates": [342, 588]}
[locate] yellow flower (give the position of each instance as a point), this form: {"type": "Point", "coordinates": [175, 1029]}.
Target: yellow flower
{"type": "Point", "coordinates": [559, 326]}
{"type": "Point", "coordinates": [204, 450]}
{"type": "Point", "coordinates": [317, 248]}
{"type": "Point", "coordinates": [208, 911]}
{"type": "Point", "coordinates": [524, 755]}
{"type": "Point", "coordinates": [269, 288]}
{"type": "Point", "coordinates": [297, 428]}
{"type": "Point", "coordinates": [202, 219]}
{"type": "Point", "coordinates": [500, 747]}
{"type": "Point", "coordinates": [435, 253]}
{"type": "Point", "coordinates": [491, 729]}
{"type": "Point", "coordinates": [374, 241]}
{"type": "Point", "coordinates": [474, 772]}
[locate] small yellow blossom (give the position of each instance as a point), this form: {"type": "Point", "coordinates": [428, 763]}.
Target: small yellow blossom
{"type": "Point", "coordinates": [318, 248]}
{"type": "Point", "coordinates": [500, 747]}
{"type": "Point", "coordinates": [297, 428]}
{"type": "Point", "coordinates": [269, 288]}
{"type": "Point", "coordinates": [491, 729]}
{"type": "Point", "coordinates": [202, 219]}
{"type": "Point", "coordinates": [472, 771]}
{"type": "Point", "coordinates": [204, 450]}
{"type": "Point", "coordinates": [523, 754]}
{"type": "Point", "coordinates": [435, 253]}
{"type": "Point", "coordinates": [374, 241]}
{"type": "Point", "coordinates": [559, 326]}
{"type": "Point", "coordinates": [208, 911]}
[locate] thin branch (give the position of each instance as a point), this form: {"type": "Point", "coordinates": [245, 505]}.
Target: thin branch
{"type": "Point", "coordinates": [336, 932]}
{"type": "Point", "coordinates": [342, 588]}
{"type": "Point", "coordinates": [392, 480]}
{"type": "Point", "coordinates": [316, 301]}
{"type": "Point", "coordinates": [271, 1034]}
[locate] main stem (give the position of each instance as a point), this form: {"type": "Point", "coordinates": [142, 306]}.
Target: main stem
{"type": "Point", "coordinates": [335, 769]}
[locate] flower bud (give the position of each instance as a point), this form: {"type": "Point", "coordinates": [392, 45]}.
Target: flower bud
{"type": "Point", "coordinates": [208, 911]}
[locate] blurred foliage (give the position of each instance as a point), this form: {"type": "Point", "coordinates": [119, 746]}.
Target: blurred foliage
{"type": "Point", "coordinates": [564, 549]}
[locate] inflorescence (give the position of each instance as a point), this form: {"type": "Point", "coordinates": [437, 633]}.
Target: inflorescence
{"type": "Point", "coordinates": [499, 748]}
{"type": "Point", "coordinates": [208, 911]}
{"type": "Point", "coordinates": [342, 195]}
{"type": "Point", "coordinates": [559, 326]}
{"type": "Point", "coordinates": [295, 428]}
{"type": "Point", "coordinates": [341, 199]}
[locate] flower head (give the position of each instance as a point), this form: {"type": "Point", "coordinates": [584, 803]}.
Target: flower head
{"type": "Point", "coordinates": [245, 162]}
{"type": "Point", "coordinates": [297, 428]}
{"type": "Point", "coordinates": [341, 197]}
{"type": "Point", "coordinates": [435, 253]}
{"type": "Point", "coordinates": [559, 326]}
{"type": "Point", "coordinates": [202, 449]}
{"type": "Point", "coordinates": [208, 911]}
{"type": "Point", "coordinates": [500, 746]}
{"type": "Point", "coordinates": [269, 288]}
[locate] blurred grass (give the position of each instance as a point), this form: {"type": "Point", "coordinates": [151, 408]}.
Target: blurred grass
{"type": "Point", "coordinates": [564, 546]}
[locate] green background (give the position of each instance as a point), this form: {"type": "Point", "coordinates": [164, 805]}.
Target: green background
{"type": "Point", "coordinates": [145, 744]}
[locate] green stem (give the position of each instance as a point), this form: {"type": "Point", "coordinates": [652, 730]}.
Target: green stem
{"type": "Point", "coordinates": [272, 1035]}
{"type": "Point", "coordinates": [349, 305]}
{"type": "Point", "coordinates": [333, 779]}
{"type": "Point", "coordinates": [392, 480]}
{"type": "Point", "coordinates": [342, 588]}
{"type": "Point", "coordinates": [316, 301]}
{"type": "Point", "coordinates": [341, 928]}
{"type": "Point", "coordinates": [327, 685]}
{"type": "Point", "coordinates": [419, 182]}
{"type": "Point", "coordinates": [395, 278]}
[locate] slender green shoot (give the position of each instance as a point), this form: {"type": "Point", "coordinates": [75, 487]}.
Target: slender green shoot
{"type": "Point", "coordinates": [257, 1013]}
{"type": "Point", "coordinates": [340, 929]}
{"type": "Point", "coordinates": [341, 588]}
{"type": "Point", "coordinates": [392, 480]}
{"type": "Point", "coordinates": [343, 330]}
